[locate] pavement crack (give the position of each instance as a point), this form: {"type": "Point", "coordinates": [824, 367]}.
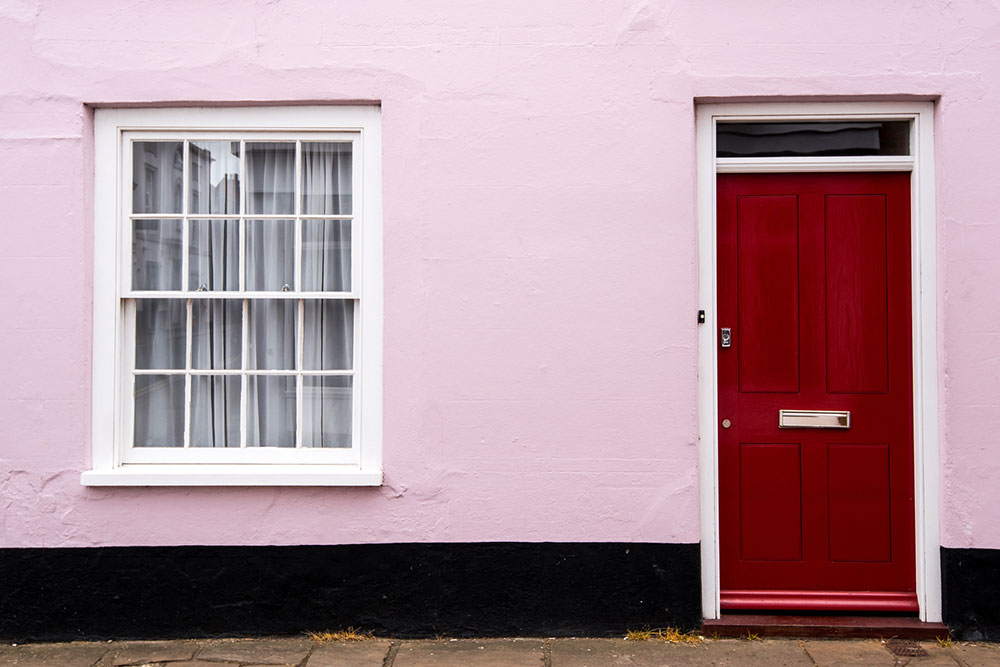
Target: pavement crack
{"type": "Point", "coordinates": [547, 653]}
{"type": "Point", "coordinates": [305, 660]}
{"type": "Point", "coordinates": [808, 654]}
{"type": "Point", "coordinates": [97, 662]}
{"type": "Point", "coordinates": [390, 654]}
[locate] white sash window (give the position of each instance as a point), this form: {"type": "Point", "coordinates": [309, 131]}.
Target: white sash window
{"type": "Point", "coordinates": [237, 296]}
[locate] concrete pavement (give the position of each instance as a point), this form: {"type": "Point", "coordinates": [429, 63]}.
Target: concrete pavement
{"type": "Point", "coordinates": [304, 652]}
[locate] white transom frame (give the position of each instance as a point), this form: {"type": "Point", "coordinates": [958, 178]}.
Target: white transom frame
{"type": "Point", "coordinates": [923, 285]}
{"type": "Point", "coordinates": [113, 461]}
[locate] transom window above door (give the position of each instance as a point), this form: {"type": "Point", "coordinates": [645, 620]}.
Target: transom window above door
{"type": "Point", "coordinates": [812, 138]}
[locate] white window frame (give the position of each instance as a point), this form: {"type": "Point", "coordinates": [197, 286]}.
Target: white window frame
{"type": "Point", "coordinates": [113, 461]}
{"type": "Point", "coordinates": [923, 285]}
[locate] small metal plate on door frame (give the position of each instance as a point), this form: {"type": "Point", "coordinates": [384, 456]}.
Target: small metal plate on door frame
{"type": "Point", "coordinates": [814, 419]}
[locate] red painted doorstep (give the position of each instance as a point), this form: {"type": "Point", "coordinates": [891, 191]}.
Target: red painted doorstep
{"type": "Point", "coordinates": [830, 601]}
{"type": "Point", "coordinates": [885, 627]}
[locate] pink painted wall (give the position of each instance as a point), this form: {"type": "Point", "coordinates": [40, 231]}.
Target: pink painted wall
{"type": "Point", "coordinates": [540, 239]}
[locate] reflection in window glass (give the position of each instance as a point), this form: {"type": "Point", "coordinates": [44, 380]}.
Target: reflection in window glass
{"type": "Point", "coordinates": [326, 411]}
{"type": "Point", "coordinates": [157, 254]}
{"type": "Point", "coordinates": [214, 175]}
{"type": "Point", "coordinates": [813, 139]}
{"type": "Point", "coordinates": [157, 176]}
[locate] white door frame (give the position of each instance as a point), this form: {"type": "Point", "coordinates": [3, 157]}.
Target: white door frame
{"type": "Point", "coordinates": [924, 303]}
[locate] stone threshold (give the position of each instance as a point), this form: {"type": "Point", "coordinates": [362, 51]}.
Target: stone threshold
{"type": "Point", "coordinates": [829, 627]}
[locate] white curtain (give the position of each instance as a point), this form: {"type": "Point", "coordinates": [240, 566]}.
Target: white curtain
{"type": "Point", "coordinates": [217, 323]}
{"type": "Point", "coordinates": [270, 264]}
{"type": "Point", "coordinates": [213, 265]}
{"type": "Point", "coordinates": [328, 325]}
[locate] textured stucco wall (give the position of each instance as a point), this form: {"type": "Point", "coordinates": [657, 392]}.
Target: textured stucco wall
{"type": "Point", "coordinates": [540, 238]}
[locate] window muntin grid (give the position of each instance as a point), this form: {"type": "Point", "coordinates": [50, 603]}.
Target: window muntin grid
{"type": "Point", "coordinates": [313, 378]}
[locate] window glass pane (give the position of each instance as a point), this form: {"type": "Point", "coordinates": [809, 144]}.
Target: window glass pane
{"type": "Point", "coordinates": [813, 138]}
{"type": "Point", "coordinates": [328, 335]}
{"type": "Point", "coordinates": [271, 411]}
{"type": "Point", "coordinates": [214, 260]}
{"type": "Point", "coordinates": [215, 410]}
{"type": "Point", "coordinates": [160, 332]}
{"type": "Point", "coordinates": [156, 254]}
{"type": "Point", "coordinates": [217, 334]}
{"type": "Point", "coordinates": [326, 178]}
{"type": "Point", "coordinates": [214, 174]}
{"type": "Point", "coordinates": [270, 260]}
{"type": "Point", "coordinates": [157, 176]}
{"type": "Point", "coordinates": [271, 178]}
{"type": "Point", "coordinates": [159, 411]}
{"type": "Point", "coordinates": [272, 334]}
{"type": "Point", "coordinates": [326, 255]}
{"type": "Point", "coordinates": [327, 411]}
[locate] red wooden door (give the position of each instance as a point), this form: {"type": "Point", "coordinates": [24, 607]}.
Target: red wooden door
{"type": "Point", "coordinates": [814, 284]}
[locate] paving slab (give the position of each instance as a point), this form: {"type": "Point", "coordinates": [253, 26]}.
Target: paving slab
{"type": "Point", "coordinates": [72, 654]}
{"type": "Point", "coordinates": [466, 652]}
{"type": "Point", "coordinates": [770, 652]}
{"type": "Point", "coordinates": [977, 655]}
{"type": "Point", "coordinates": [614, 652]}
{"type": "Point", "coordinates": [145, 652]}
{"type": "Point", "coordinates": [835, 652]}
{"type": "Point", "coordinates": [350, 654]}
{"type": "Point", "coordinates": [278, 651]}
{"type": "Point", "coordinates": [937, 656]}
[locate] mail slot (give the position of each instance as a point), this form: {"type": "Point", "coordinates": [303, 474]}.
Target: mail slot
{"type": "Point", "coordinates": [814, 419]}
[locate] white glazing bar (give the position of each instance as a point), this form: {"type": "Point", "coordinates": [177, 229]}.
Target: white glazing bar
{"type": "Point", "coordinates": [128, 345]}
{"type": "Point", "coordinates": [357, 224]}
{"type": "Point", "coordinates": [235, 294]}
{"type": "Point", "coordinates": [241, 251]}
{"type": "Point", "coordinates": [188, 311]}
{"type": "Point", "coordinates": [298, 191]}
{"type": "Point", "coordinates": [207, 371]}
{"type": "Point", "coordinates": [225, 216]}
{"type": "Point", "coordinates": [355, 389]}
{"type": "Point", "coordinates": [124, 279]}
{"type": "Point", "coordinates": [244, 381]}
{"type": "Point", "coordinates": [185, 232]}
{"type": "Point", "coordinates": [245, 339]}
{"type": "Point", "coordinates": [299, 382]}
{"type": "Point", "coordinates": [187, 375]}
{"type": "Point", "coordinates": [357, 284]}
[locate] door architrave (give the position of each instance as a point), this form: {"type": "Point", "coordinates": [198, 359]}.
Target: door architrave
{"type": "Point", "coordinates": [923, 290]}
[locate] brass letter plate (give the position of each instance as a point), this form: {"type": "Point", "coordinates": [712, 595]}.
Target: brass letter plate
{"type": "Point", "coordinates": [814, 419]}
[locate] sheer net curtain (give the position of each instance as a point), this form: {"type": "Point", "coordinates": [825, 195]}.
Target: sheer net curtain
{"type": "Point", "coordinates": [157, 252]}
{"type": "Point", "coordinates": [326, 267]}
{"type": "Point", "coordinates": [213, 265]}
{"type": "Point", "coordinates": [217, 323]}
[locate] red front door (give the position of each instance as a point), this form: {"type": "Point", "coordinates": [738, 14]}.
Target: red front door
{"type": "Point", "coordinates": [814, 288]}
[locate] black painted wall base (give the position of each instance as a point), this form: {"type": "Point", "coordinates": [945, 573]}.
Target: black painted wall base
{"type": "Point", "coordinates": [970, 586]}
{"type": "Point", "coordinates": [401, 590]}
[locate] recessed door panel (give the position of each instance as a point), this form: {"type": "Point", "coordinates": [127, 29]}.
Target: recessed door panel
{"type": "Point", "coordinates": [768, 293]}
{"type": "Point", "coordinates": [770, 502]}
{"type": "Point", "coordinates": [858, 503]}
{"type": "Point", "coordinates": [814, 286]}
{"type": "Point", "coordinates": [856, 309]}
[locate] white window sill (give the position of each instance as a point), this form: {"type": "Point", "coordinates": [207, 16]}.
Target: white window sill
{"type": "Point", "coordinates": [232, 475]}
